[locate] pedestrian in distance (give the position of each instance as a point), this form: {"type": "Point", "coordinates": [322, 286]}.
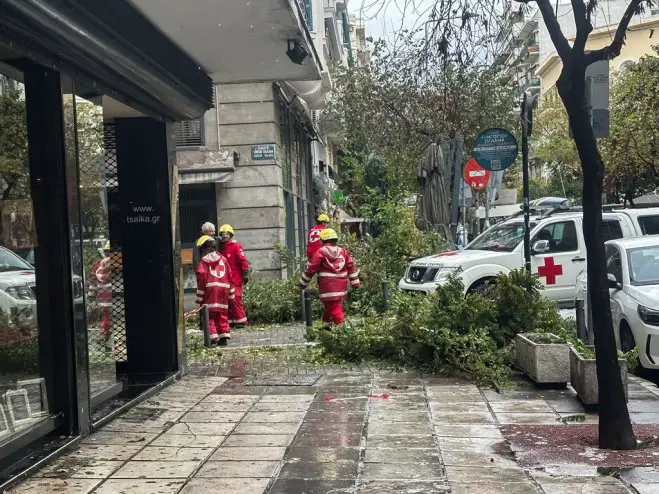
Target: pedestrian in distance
{"type": "Point", "coordinates": [214, 289]}
{"type": "Point", "coordinates": [235, 255]}
{"type": "Point", "coordinates": [314, 243]}
{"type": "Point", "coordinates": [336, 271]}
{"type": "Point", "coordinates": [207, 230]}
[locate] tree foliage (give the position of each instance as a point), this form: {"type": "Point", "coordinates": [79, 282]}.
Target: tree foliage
{"type": "Point", "coordinates": [632, 150]}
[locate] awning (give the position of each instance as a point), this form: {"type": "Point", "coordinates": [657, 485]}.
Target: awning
{"type": "Point", "coordinates": [204, 175]}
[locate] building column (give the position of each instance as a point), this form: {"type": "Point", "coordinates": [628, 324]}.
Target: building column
{"type": "Point", "coordinates": [145, 161]}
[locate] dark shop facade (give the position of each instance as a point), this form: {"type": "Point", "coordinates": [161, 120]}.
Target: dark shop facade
{"type": "Point", "coordinates": [90, 282]}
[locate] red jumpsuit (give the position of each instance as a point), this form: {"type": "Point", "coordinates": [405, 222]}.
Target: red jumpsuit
{"type": "Point", "coordinates": [335, 268]}
{"type": "Point", "coordinates": [234, 253]}
{"type": "Point", "coordinates": [214, 290]}
{"type": "Point", "coordinates": [100, 287]}
{"type": "Point", "coordinates": [314, 243]}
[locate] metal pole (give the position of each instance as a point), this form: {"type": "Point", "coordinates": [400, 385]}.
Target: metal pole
{"type": "Point", "coordinates": [525, 183]}
{"type": "Point", "coordinates": [385, 295]}
{"type": "Point", "coordinates": [589, 315]}
{"type": "Point", "coordinates": [303, 310]}
{"type": "Point", "coordinates": [308, 313]}
{"type": "Point", "coordinates": [581, 320]}
{"type": "Point", "coordinates": [457, 180]}
{"type": "Point", "coordinates": [205, 325]}
{"type": "Point", "coordinates": [487, 206]}
{"type": "Point", "coordinates": [464, 215]}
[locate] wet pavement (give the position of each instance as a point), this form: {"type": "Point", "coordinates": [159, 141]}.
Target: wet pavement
{"type": "Point", "coordinates": [266, 423]}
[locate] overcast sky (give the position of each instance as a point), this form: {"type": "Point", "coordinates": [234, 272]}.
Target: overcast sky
{"type": "Point", "coordinates": [384, 18]}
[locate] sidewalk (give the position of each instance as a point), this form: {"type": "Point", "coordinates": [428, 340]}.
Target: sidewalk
{"type": "Point", "coordinates": [300, 430]}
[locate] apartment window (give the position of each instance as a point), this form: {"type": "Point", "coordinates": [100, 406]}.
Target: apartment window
{"type": "Point", "coordinates": [190, 133]}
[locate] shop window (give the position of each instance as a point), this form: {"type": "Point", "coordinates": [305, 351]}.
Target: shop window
{"type": "Point", "coordinates": [190, 133]}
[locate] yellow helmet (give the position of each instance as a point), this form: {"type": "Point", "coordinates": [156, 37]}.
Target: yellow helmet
{"type": "Point", "coordinates": [328, 234]}
{"type": "Point", "coordinates": [107, 245]}
{"type": "Point", "coordinates": [323, 218]}
{"type": "Point", "coordinates": [203, 239]}
{"type": "Point", "coordinates": [226, 229]}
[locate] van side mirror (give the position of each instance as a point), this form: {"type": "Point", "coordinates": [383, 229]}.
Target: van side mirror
{"type": "Point", "coordinates": [613, 282]}
{"type": "Point", "coordinates": [540, 247]}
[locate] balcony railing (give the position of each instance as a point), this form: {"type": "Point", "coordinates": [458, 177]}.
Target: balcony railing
{"type": "Point", "coordinates": [307, 12]}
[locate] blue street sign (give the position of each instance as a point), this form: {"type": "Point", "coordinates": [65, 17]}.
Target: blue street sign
{"type": "Point", "coordinates": [495, 149]}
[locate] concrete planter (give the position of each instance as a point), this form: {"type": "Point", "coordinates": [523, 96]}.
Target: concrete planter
{"type": "Point", "coordinates": [583, 377]}
{"type": "Point", "coordinates": [544, 363]}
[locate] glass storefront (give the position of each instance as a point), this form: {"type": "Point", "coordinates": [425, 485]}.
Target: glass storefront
{"type": "Point", "coordinates": [24, 400]}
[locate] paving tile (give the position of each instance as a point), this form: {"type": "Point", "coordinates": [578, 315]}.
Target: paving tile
{"type": "Point", "coordinates": [286, 399]}
{"type": "Point", "coordinates": [327, 428]}
{"type": "Point", "coordinates": [139, 486]}
{"type": "Point", "coordinates": [335, 417]}
{"type": "Point", "coordinates": [220, 485]}
{"type": "Point", "coordinates": [68, 486]}
{"type": "Point", "coordinates": [463, 418]}
{"type": "Point", "coordinates": [237, 468]}
{"type": "Point", "coordinates": [406, 416]}
{"type": "Point", "coordinates": [450, 397]}
{"type": "Point", "coordinates": [160, 453]}
{"type": "Point", "coordinates": [528, 418]}
{"type": "Point", "coordinates": [119, 452]}
{"type": "Point", "coordinates": [235, 399]}
{"type": "Point", "coordinates": [87, 468]}
{"type": "Point", "coordinates": [495, 488]}
{"type": "Point", "coordinates": [265, 440]}
{"type": "Point", "coordinates": [400, 428]}
{"type": "Point", "coordinates": [120, 425]}
{"type": "Point", "coordinates": [281, 407]}
{"type": "Point", "coordinates": [475, 459]}
{"type": "Point", "coordinates": [270, 417]}
{"type": "Point", "coordinates": [266, 428]}
{"type": "Point", "coordinates": [341, 437]}
{"type": "Point", "coordinates": [567, 405]}
{"type": "Point", "coordinates": [352, 406]}
{"type": "Point", "coordinates": [211, 417]}
{"type": "Point", "coordinates": [485, 475]}
{"type": "Point", "coordinates": [222, 407]}
{"type": "Point", "coordinates": [322, 455]}
{"type": "Point", "coordinates": [404, 487]}
{"type": "Point", "coordinates": [156, 470]}
{"type": "Point", "coordinates": [383, 455]}
{"type": "Point", "coordinates": [645, 418]}
{"type": "Point", "coordinates": [522, 406]}
{"type": "Point", "coordinates": [202, 429]}
{"type": "Point", "coordinates": [646, 488]}
{"type": "Point", "coordinates": [456, 408]}
{"type": "Point", "coordinates": [402, 471]}
{"type": "Point", "coordinates": [318, 471]}
{"type": "Point", "coordinates": [118, 438]}
{"type": "Point", "coordinates": [253, 453]}
{"type": "Point", "coordinates": [475, 444]}
{"type": "Point", "coordinates": [587, 487]}
{"type": "Point", "coordinates": [648, 475]}
{"type": "Point", "coordinates": [467, 431]}
{"type": "Point", "coordinates": [579, 418]}
{"type": "Point", "coordinates": [188, 440]}
{"type": "Point", "coordinates": [422, 441]}
{"type": "Point", "coordinates": [299, 486]}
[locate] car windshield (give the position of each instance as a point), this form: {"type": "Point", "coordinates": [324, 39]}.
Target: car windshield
{"type": "Point", "coordinates": [503, 237]}
{"type": "Point", "coordinates": [11, 262]}
{"type": "Point", "coordinates": [644, 265]}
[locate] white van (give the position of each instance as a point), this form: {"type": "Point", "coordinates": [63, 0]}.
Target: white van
{"type": "Point", "coordinates": [558, 252]}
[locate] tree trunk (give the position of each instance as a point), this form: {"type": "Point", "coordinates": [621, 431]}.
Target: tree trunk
{"type": "Point", "coordinates": [615, 429]}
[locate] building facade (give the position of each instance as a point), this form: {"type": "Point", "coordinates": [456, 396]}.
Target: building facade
{"type": "Point", "coordinates": [257, 160]}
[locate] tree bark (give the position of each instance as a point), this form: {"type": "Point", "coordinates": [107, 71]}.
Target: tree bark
{"type": "Point", "coordinates": [615, 429]}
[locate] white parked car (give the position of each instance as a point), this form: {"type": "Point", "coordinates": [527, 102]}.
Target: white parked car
{"type": "Point", "coordinates": [558, 252]}
{"type": "Point", "coordinates": [633, 268]}
{"type": "Point", "coordinates": [17, 289]}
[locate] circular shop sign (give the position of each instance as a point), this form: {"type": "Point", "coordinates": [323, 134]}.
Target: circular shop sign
{"type": "Point", "coordinates": [495, 149]}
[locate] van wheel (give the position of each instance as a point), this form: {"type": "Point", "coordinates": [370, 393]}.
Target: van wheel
{"type": "Point", "coordinates": [480, 286]}
{"type": "Point", "coordinates": [627, 341]}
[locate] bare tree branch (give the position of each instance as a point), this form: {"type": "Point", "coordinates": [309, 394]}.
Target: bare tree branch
{"type": "Point", "coordinates": [583, 25]}
{"type": "Point", "coordinates": [613, 50]}
{"type": "Point", "coordinates": [558, 38]}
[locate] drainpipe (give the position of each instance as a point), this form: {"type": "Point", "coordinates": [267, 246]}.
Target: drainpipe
{"type": "Point", "coordinates": [217, 115]}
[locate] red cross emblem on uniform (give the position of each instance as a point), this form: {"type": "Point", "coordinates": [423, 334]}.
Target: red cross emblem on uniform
{"type": "Point", "coordinates": [220, 271]}
{"type": "Point", "coordinates": [314, 236]}
{"type": "Point", "coordinates": [339, 263]}
{"type": "Point", "coordinates": [550, 270]}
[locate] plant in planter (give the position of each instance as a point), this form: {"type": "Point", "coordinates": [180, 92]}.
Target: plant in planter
{"type": "Point", "coordinates": [544, 357]}
{"type": "Point", "coordinates": [583, 373]}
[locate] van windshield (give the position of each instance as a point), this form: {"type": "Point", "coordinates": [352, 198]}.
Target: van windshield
{"type": "Point", "coordinates": [503, 237]}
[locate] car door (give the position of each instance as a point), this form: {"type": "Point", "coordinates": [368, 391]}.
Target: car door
{"type": "Point", "coordinates": [559, 266]}
{"type": "Point", "coordinates": [614, 267]}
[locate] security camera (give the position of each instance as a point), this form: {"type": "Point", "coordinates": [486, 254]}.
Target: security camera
{"type": "Point", "coordinates": [296, 52]}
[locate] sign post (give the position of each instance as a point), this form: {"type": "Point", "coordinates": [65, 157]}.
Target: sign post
{"type": "Point", "coordinates": [526, 116]}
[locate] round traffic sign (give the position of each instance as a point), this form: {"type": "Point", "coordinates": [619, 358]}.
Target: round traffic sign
{"type": "Point", "coordinates": [475, 175]}
{"type": "Point", "coordinates": [495, 149]}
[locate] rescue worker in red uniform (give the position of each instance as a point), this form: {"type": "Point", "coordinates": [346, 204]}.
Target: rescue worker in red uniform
{"type": "Point", "coordinates": [314, 243]}
{"type": "Point", "coordinates": [214, 289]}
{"type": "Point", "coordinates": [235, 255]}
{"type": "Point", "coordinates": [336, 269]}
{"type": "Point", "coordinates": [100, 288]}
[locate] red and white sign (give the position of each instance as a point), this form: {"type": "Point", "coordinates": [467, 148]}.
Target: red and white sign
{"type": "Point", "coordinates": [550, 271]}
{"type": "Point", "coordinates": [475, 175]}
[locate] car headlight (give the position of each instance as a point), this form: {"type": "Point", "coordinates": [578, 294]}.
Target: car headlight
{"type": "Point", "coordinates": [648, 316]}
{"type": "Point", "coordinates": [20, 292]}
{"type": "Point", "coordinates": [445, 273]}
